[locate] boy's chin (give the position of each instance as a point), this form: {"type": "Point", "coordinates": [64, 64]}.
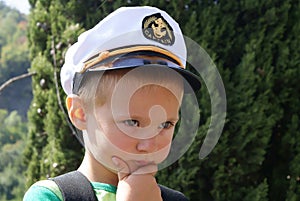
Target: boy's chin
{"type": "Point", "coordinates": [137, 167]}
{"type": "Point", "coordinates": [142, 167]}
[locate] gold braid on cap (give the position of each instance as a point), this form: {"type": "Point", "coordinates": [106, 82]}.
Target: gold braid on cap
{"type": "Point", "coordinates": [106, 54]}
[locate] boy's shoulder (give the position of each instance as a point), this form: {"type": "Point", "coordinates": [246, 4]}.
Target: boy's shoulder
{"type": "Point", "coordinates": [49, 190]}
{"type": "Point", "coordinates": [75, 186]}
{"type": "Point", "coordinates": [43, 190]}
{"type": "Point", "coordinates": [169, 194]}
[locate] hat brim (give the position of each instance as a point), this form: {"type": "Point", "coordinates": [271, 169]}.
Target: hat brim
{"type": "Point", "coordinates": [191, 81]}
{"type": "Point", "coordinates": [191, 78]}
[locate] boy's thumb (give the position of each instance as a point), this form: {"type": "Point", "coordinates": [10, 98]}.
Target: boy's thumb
{"type": "Point", "coordinates": [121, 166]}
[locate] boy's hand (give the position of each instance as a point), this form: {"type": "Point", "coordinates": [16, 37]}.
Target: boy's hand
{"type": "Point", "coordinates": [137, 185]}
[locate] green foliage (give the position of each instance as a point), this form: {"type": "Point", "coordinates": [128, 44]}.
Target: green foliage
{"type": "Point", "coordinates": [9, 19]}
{"type": "Point", "coordinates": [12, 133]}
{"type": "Point", "coordinates": [14, 60]}
{"type": "Point", "coordinates": [51, 147]}
{"type": "Point", "coordinates": [13, 130]}
{"type": "Point", "coordinates": [37, 137]}
{"type": "Point", "coordinates": [12, 34]}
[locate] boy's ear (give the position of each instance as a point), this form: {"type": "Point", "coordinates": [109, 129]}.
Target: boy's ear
{"type": "Point", "coordinates": [76, 111]}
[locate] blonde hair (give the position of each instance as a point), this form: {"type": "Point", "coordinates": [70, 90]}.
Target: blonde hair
{"type": "Point", "coordinates": [98, 87]}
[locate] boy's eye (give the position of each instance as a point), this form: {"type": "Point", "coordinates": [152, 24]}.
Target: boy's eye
{"type": "Point", "coordinates": [166, 125]}
{"type": "Point", "coordinates": [131, 122]}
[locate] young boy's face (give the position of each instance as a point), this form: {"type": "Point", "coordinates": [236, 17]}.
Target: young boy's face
{"type": "Point", "coordinates": [137, 128]}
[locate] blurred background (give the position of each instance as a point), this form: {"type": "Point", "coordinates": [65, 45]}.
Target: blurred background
{"type": "Point", "coordinates": [255, 46]}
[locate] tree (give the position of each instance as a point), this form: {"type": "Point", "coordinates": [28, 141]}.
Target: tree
{"type": "Point", "coordinates": [12, 134]}
{"type": "Point", "coordinates": [14, 60]}
{"type": "Point", "coordinates": [14, 100]}
{"type": "Point", "coordinates": [52, 146]}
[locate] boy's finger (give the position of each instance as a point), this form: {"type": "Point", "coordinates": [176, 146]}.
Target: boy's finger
{"type": "Point", "coordinates": [122, 167]}
{"type": "Point", "coordinates": [148, 169]}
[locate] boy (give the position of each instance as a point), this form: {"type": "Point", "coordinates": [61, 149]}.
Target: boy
{"type": "Point", "coordinates": [125, 80]}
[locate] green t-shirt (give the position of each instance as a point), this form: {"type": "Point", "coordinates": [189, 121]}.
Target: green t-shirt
{"type": "Point", "coordinates": [47, 190]}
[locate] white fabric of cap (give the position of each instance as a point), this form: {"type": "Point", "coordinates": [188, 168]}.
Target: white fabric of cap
{"type": "Point", "coordinates": [121, 28]}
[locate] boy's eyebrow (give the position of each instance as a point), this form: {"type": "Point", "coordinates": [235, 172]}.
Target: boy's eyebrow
{"type": "Point", "coordinates": [173, 119]}
{"type": "Point", "coordinates": [145, 119]}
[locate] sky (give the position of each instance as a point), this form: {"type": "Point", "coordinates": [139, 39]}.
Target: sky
{"type": "Point", "coordinates": [21, 5]}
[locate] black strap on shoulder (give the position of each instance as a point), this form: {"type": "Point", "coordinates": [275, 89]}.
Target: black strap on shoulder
{"type": "Point", "coordinates": [168, 194]}
{"type": "Point", "coordinates": [75, 187]}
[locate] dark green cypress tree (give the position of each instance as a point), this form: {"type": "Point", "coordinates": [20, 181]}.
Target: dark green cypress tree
{"type": "Point", "coordinates": [282, 164]}
{"type": "Point", "coordinates": [52, 148]}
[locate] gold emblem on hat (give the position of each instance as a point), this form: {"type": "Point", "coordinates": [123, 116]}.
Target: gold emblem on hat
{"type": "Point", "coordinates": [156, 28]}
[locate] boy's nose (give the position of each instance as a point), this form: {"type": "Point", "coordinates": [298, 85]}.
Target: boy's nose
{"type": "Point", "coordinates": [147, 145]}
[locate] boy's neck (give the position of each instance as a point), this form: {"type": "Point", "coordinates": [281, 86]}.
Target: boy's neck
{"type": "Point", "coordinates": [96, 172]}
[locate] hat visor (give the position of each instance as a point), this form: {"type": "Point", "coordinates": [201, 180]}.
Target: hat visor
{"type": "Point", "coordinates": [192, 83]}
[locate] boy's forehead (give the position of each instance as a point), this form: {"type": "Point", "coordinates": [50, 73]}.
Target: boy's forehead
{"type": "Point", "coordinates": [137, 91]}
{"type": "Point", "coordinates": [149, 79]}
{"type": "Point", "coordinates": [142, 101]}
